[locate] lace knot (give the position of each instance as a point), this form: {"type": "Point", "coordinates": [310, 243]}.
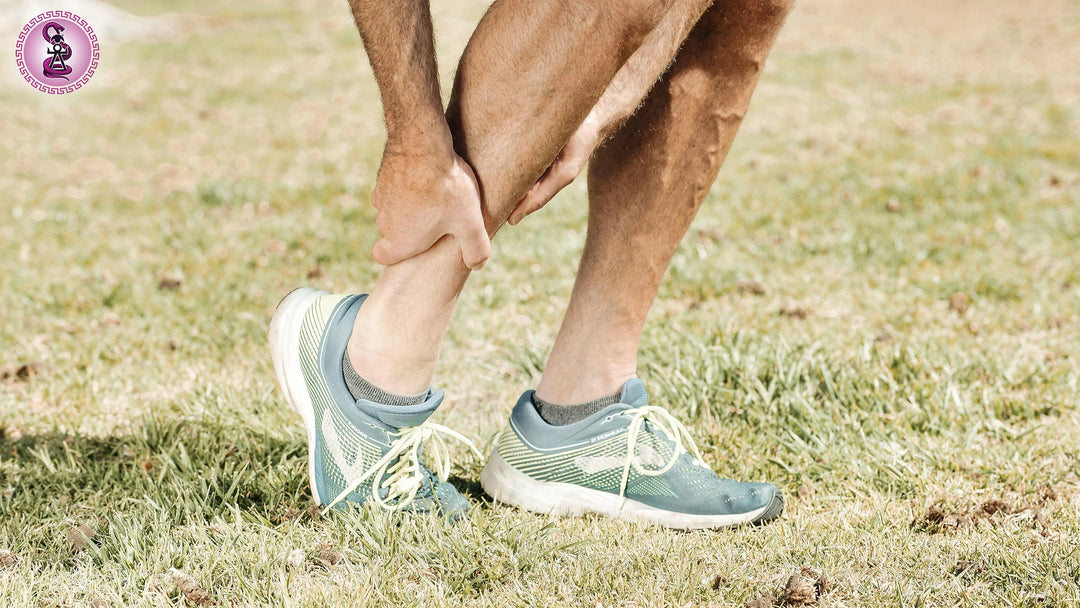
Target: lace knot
{"type": "Point", "coordinates": [670, 427]}
{"type": "Point", "coordinates": [401, 466]}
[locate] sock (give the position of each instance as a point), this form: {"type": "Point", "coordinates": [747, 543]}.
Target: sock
{"type": "Point", "coordinates": [562, 415]}
{"type": "Point", "coordinates": [362, 389]}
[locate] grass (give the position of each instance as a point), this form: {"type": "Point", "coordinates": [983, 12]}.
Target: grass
{"type": "Point", "coordinates": [892, 159]}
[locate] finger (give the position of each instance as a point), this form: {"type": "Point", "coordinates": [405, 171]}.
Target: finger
{"type": "Point", "coordinates": [541, 194]}
{"type": "Point", "coordinates": [521, 209]}
{"type": "Point", "coordinates": [474, 243]}
{"type": "Point", "coordinates": [385, 252]}
{"type": "Point", "coordinates": [391, 251]}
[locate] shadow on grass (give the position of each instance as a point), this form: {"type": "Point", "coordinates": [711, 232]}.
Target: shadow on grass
{"type": "Point", "coordinates": [189, 470]}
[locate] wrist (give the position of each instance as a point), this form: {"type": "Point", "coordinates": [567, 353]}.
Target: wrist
{"type": "Point", "coordinates": [419, 137]}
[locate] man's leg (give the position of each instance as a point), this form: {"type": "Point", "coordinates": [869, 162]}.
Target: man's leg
{"type": "Point", "coordinates": [645, 187]}
{"type": "Point", "coordinates": [530, 74]}
{"type": "Point", "coordinates": [614, 454]}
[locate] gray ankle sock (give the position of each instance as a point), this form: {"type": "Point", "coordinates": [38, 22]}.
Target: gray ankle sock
{"type": "Point", "coordinates": [362, 389]}
{"type": "Point", "coordinates": [562, 415]}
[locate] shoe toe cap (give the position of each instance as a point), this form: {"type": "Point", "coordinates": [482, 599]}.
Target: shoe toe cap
{"type": "Point", "coordinates": [772, 500]}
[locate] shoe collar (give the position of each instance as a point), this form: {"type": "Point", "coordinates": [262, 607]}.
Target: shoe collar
{"type": "Point", "coordinates": [540, 435]}
{"type": "Point", "coordinates": [398, 416]}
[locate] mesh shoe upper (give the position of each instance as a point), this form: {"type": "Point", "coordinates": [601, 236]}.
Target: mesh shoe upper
{"type": "Point", "coordinates": [354, 436]}
{"type": "Point", "coordinates": [593, 453]}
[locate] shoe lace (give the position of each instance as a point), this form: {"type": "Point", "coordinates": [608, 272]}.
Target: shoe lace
{"type": "Point", "coordinates": [404, 473]}
{"type": "Point", "coordinates": [662, 420]}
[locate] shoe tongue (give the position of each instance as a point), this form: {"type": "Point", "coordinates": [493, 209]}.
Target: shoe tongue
{"type": "Point", "coordinates": [399, 416]}
{"type": "Point", "coordinates": [633, 393]}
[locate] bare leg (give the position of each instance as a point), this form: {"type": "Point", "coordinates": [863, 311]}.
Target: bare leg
{"type": "Point", "coordinates": [530, 74]}
{"type": "Point", "coordinates": [645, 187]}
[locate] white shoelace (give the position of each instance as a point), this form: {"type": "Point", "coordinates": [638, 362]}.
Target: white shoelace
{"type": "Point", "coordinates": [405, 477]}
{"type": "Point", "coordinates": [666, 424]}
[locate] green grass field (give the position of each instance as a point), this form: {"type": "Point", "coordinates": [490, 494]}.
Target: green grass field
{"type": "Point", "coordinates": [878, 309]}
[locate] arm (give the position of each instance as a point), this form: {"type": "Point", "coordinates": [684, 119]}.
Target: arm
{"type": "Point", "coordinates": [627, 90]}
{"type": "Point", "coordinates": [424, 190]}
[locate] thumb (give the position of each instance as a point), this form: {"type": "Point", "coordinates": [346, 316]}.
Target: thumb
{"type": "Point", "coordinates": [474, 243]}
{"type": "Point", "coordinates": [386, 253]}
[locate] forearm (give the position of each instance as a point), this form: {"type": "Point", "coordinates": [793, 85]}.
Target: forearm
{"type": "Point", "coordinates": [400, 44]}
{"type": "Point", "coordinates": [641, 71]}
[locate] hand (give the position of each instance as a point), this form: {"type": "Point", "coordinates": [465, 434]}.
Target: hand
{"type": "Point", "coordinates": [419, 198]}
{"type": "Point", "coordinates": [562, 172]}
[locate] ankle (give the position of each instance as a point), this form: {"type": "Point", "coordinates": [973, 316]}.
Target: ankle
{"type": "Point", "coordinates": [394, 365]}
{"type": "Point", "coordinates": [399, 329]}
{"type": "Point", "coordinates": [393, 372]}
{"type": "Point", "coordinates": [577, 386]}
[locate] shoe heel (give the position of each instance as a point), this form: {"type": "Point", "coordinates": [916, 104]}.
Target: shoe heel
{"type": "Point", "coordinates": [284, 339]}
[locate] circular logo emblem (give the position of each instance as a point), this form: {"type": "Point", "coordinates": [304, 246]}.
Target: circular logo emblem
{"type": "Point", "coordinates": [57, 52]}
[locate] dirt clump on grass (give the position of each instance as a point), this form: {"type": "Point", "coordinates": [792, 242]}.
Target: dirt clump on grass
{"type": "Point", "coordinates": [994, 506]}
{"type": "Point", "coordinates": [170, 282]}
{"type": "Point", "coordinates": [11, 372]}
{"type": "Point", "coordinates": [328, 555]}
{"type": "Point", "coordinates": [1048, 493]}
{"type": "Point", "coordinates": [969, 565]}
{"type": "Point", "coordinates": [79, 538]}
{"type": "Point", "coordinates": [192, 590]}
{"type": "Point", "coordinates": [804, 587]}
{"type": "Point", "coordinates": [754, 288]}
{"type": "Point", "coordinates": [939, 518]}
{"type": "Point", "coordinates": [792, 311]}
{"type": "Point", "coordinates": [8, 559]}
{"type": "Point", "coordinates": [959, 302]}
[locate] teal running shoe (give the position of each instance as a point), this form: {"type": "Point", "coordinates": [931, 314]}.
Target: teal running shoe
{"type": "Point", "coordinates": [359, 451]}
{"type": "Point", "coordinates": [630, 460]}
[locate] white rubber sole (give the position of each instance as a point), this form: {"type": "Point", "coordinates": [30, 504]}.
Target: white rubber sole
{"type": "Point", "coordinates": [506, 484]}
{"type": "Point", "coordinates": [285, 352]}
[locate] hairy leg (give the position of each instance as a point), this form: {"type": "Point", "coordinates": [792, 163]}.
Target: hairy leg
{"type": "Point", "coordinates": [645, 187]}
{"type": "Point", "coordinates": [530, 74]}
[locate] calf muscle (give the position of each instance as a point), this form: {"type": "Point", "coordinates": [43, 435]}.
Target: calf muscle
{"type": "Point", "coordinates": [646, 184]}
{"type": "Point", "coordinates": [530, 74]}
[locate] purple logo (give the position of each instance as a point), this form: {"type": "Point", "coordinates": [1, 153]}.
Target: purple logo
{"type": "Point", "coordinates": [57, 52]}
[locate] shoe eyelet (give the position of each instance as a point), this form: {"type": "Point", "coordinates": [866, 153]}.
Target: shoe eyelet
{"type": "Point", "coordinates": [608, 419]}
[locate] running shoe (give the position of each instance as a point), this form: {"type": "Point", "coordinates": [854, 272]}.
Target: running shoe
{"type": "Point", "coordinates": [359, 451]}
{"type": "Point", "coordinates": [630, 460]}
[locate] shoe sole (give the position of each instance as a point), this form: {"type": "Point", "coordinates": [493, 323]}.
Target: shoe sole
{"type": "Point", "coordinates": [506, 484]}
{"type": "Point", "coordinates": [285, 351]}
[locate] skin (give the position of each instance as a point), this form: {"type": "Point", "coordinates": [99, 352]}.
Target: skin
{"type": "Point", "coordinates": [423, 190]}
{"type": "Point", "coordinates": [525, 114]}
{"type": "Point", "coordinates": [523, 55]}
{"type": "Point", "coordinates": [646, 184]}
